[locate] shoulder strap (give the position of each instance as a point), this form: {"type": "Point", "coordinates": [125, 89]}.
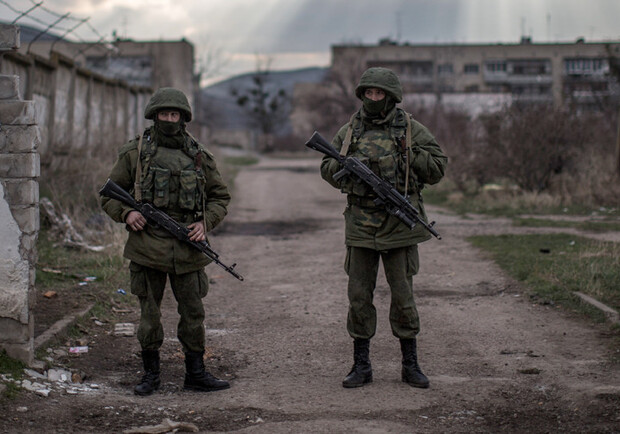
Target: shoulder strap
{"type": "Point", "coordinates": [347, 138]}
{"type": "Point", "coordinates": [136, 186]}
{"type": "Point", "coordinates": [408, 147]}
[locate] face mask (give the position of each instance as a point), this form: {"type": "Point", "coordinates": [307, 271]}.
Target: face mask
{"type": "Point", "coordinates": [169, 128]}
{"type": "Point", "coordinates": [374, 107]}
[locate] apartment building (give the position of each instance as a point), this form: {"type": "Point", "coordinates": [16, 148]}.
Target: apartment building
{"type": "Point", "coordinates": [581, 72]}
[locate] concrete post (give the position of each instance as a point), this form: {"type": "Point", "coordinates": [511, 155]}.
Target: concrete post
{"type": "Point", "coordinates": [19, 211]}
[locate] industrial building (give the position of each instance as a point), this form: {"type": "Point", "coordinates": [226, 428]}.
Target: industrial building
{"type": "Point", "coordinates": [581, 72]}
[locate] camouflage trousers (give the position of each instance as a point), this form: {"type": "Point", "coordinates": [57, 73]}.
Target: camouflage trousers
{"type": "Point", "coordinates": [400, 265]}
{"type": "Point", "coordinates": [148, 285]}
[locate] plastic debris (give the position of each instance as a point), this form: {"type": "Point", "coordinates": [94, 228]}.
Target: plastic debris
{"type": "Point", "coordinates": [77, 350]}
{"type": "Point", "coordinates": [90, 278]}
{"type": "Point", "coordinates": [121, 291]}
{"type": "Point", "coordinates": [50, 294]}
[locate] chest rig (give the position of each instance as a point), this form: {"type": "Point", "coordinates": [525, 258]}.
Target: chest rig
{"type": "Point", "coordinates": [171, 179]}
{"type": "Point", "coordinates": [399, 134]}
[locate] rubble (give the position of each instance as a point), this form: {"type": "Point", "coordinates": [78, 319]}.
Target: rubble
{"type": "Point", "coordinates": [54, 380]}
{"type": "Point", "coordinates": [124, 329]}
{"type": "Point", "coordinates": [62, 225]}
{"type": "Point", "coordinates": [165, 426]}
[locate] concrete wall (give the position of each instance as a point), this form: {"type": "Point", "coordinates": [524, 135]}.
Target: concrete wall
{"type": "Point", "coordinates": [80, 114]}
{"type": "Point", "coordinates": [19, 210]}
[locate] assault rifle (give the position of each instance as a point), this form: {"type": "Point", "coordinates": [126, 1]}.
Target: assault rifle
{"type": "Point", "coordinates": [387, 196]}
{"type": "Point", "coordinates": [159, 218]}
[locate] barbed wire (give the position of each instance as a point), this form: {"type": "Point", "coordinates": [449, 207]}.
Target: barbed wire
{"type": "Point", "coordinates": [56, 14]}
{"type": "Point", "coordinates": [55, 24]}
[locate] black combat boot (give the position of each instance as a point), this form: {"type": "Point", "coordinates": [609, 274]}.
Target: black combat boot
{"type": "Point", "coordinates": [361, 372]}
{"type": "Point", "coordinates": [411, 372]}
{"type": "Point", "coordinates": [150, 379]}
{"type": "Point", "coordinates": [196, 378]}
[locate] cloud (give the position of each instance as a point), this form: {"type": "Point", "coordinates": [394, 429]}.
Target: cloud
{"type": "Point", "coordinates": [244, 28]}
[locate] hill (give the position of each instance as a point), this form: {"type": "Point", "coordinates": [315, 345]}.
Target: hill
{"type": "Point", "coordinates": [219, 107]}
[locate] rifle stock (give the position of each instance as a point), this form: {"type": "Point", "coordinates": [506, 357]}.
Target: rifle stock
{"type": "Point", "coordinates": [387, 195]}
{"type": "Point", "coordinates": [155, 216]}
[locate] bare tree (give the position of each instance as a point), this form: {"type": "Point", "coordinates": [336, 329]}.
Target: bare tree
{"type": "Point", "coordinates": [332, 103]}
{"type": "Point", "coordinates": [266, 105]}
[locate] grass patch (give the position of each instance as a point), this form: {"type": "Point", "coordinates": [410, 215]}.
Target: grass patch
{"type": "Point", "coordinates": [589, 225]}
{"type": "Point", "coordinates": [12, 368]}
{"type": "Point", "coordinates": [244, 160]}
{"type": "Point", "coordinates": [505, 200]}
{"type": "Point", "coordinates": [57, 266]}
{"type": "Point", "coordinates": [79, 279]}
{"type": "Point", "coordinates": [555, 265]}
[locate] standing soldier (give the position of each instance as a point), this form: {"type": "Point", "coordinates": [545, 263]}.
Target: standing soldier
{"type": "Point", "coordinates": [403, 152]}
{"type": "Point", "coordinates": [168, 168]}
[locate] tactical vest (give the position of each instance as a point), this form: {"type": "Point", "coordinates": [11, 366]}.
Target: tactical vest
{"type": "Point", "coordinates": [383, 150]}
{"type": "Point", "coordinates": [171, 179]}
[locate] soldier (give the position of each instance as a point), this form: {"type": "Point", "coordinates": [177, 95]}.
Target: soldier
{"type": "Point", "coordinates": [403, 152]}
{"type": "Point", "coordinates": [167, 167]}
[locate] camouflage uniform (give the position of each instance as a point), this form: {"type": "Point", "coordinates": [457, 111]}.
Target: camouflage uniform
{"type": "Point", "coordinates": [379, 140]}
{"type": "Point", "coordinates": [180, 177]}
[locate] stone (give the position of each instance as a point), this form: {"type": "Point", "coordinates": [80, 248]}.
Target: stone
{"type": "Point", "coordinates": [34, 374]}
{"type": "Point", "coordinates": [124, 329]}
{"type": "Point", "coordinates": [9, 87]}
{"type": "Point", "coordinates": [19, 138]}
{"type": "Point", "coordinates": [25, 165]}
{"type": "Point", "coordinates": [58, 375]}
{"type": "Point", "coordinates": [27, 218]}
{"type": "Point", "coordinates": [9, 37]}
{"type": "Point", "coordinates": [17, 112]}
{"type": "Point", "coordinates": [43, 392]}
{"type": "Point", "coordinates": [22, 192]}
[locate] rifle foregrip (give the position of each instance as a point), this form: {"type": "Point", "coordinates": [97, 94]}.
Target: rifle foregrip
{"type": "Point", "coordinates": [112, 190]}
{"type": "Point", "coordinates": [318, 143]}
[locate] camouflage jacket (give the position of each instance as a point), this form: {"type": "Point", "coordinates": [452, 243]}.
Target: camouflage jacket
{"type": "Point", "coordinates": [379, 145]}
{"type": "Point", "coordinates": [185, 183]}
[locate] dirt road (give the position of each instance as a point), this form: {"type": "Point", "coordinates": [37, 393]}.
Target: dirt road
{"type": "Point", "coordinates": [496, 362]}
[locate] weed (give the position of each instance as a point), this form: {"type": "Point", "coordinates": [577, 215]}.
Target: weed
{"type": "Point", "coordinates": [11, 368]}
{"type": "Point", "coordinates": [555, 265]}
{"type": "Point", "coordinates": [245, 160]}
{"type": "Point", "coordinates": [589, 225]}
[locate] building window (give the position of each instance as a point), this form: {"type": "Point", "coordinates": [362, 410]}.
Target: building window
{"type": "Point", "coordinates": [531, 89]}
{"type": "Point", "coordinates": [471, 68]}
{"type": "Point", "coordinates": [531, 67]}
{"type": "Point", "coordinates": [445, 69]}
{"type": "Point", "coordinates": [496, 66]}
{"type": "Point", "coordinates": [406, 68]}
{"type": "Point", "coordinates": [472, 88]}
{"type": "Point", "coordinates": [585, 66]}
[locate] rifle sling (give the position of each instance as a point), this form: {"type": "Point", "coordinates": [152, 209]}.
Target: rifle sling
{"type": "Point", "coordinates": [408, 146]}
{"type": "Point", "coordinates": [137, 184]}
{"type": "Point", "coordinates": [347, 138]}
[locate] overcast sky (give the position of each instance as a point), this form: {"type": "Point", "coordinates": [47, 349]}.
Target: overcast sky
{"type": "Point", "coordinates": [299, 33]}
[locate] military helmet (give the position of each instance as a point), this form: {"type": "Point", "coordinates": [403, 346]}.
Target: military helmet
{"type": "Point", "coordinates": [168, 98]}
{"type": "Point", "coordinates": [381, 78]}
